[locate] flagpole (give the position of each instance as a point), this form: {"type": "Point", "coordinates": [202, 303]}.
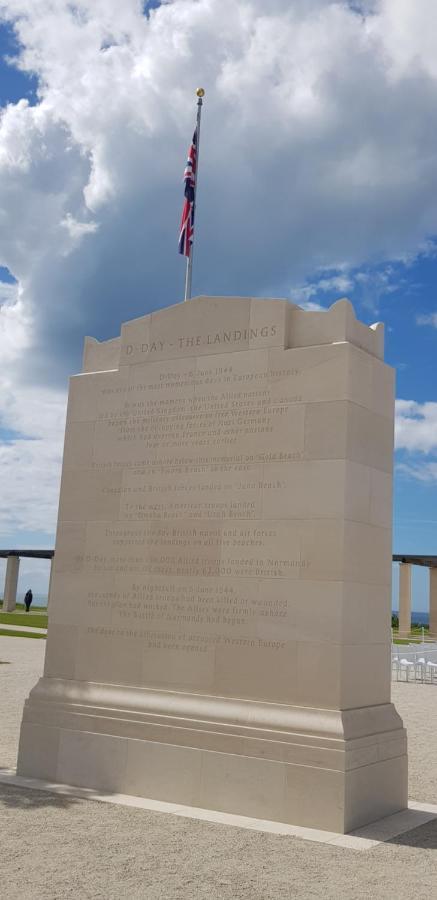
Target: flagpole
{"type": "Point", "coordinates": [189, 270]}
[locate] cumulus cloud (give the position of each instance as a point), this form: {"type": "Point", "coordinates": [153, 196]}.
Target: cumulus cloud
{"type": "Point", "coordinates": [30, 468]}
{"type": "Point", "coordinates": [366, 285]}
{"type": "Point", "coordinates": [416, 434]}
{"type": "Point", "coordinates": [408, 30]}
{"type": "Point", "coordinates": [318, 159]}
{"type": "Point", "coordinates": [318, 151]}
{"type": "Point", "coordinates": [14, 324]}
{"type": "Point", "coordinates": [339, 284]}
{"type": "Point", "coordinates": [416, 426]}
{"type": "Point", "coordinates": [31, 431]}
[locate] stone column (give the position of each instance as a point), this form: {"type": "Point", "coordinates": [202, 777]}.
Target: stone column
{"type": "Point", "coordinates": [433, 602]}
{"type": "Point", "coordinates": [404, 599]}
{"type": "Point", "coordinates": [10, 594]}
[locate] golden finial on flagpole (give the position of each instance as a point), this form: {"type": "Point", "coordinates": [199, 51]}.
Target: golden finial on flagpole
{"type": "Point", "coordinates": [200, 92]}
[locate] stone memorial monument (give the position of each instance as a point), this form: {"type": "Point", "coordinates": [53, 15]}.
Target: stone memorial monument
{"type": "Point", "coordinates": [219, 629]}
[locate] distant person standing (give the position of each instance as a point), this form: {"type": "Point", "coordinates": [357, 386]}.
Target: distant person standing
{"type": "Point", "coordinates": [28, 599]}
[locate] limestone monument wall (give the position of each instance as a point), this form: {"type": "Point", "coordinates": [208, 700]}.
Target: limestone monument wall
{"type": "Point", "coordinates": [219, 629]}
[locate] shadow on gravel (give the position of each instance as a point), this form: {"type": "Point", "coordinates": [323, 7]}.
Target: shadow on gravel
{"type": "Point", "coordinates": [25, 798]}
{"type": "Point", "coordinates": [424, 837]}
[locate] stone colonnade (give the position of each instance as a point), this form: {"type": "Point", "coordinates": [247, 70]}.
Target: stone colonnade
{"type": "Point", "coordinates": [11, 581]}
{"type": "Point", "coordinates": [405, 599]}
{"type": "Point", "coordinates": [12, 571]}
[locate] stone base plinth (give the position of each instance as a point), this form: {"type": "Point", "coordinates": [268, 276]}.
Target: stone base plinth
{"type": "Point", "coordinates": [318, 768]}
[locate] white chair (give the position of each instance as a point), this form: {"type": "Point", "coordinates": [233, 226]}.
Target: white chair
{"type": "Point", "coordinates": [421, 668]}
{"type": "Point", "coordinates": [407, 666]}
{"type": "Point", "coordinates": [395, 666]}
{"type": "Point", "coordinates": [432, 669]}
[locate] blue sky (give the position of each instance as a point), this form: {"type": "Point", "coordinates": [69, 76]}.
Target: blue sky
{"type": "Point", "coordinates": [14, 85]}
{"type": "Point", "coordinates": [340, 162]}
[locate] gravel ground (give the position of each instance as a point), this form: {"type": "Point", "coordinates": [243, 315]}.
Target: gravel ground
{"type": "Point", "coordinates": [21, 664]}
{"type": "Point", "coordinates": [54, 847]}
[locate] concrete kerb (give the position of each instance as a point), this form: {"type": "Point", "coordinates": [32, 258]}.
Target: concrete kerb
{"type": "Point", "coordinates": [25, 629]}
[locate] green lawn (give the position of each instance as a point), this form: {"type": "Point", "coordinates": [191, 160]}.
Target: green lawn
{"type": "Point", "coordinates": [36, 618]}
{"type": "Point", "coordinates": [36, 610]}
{"type": "Point", "coordinates": [26, 634]}
{"type": "Point", "coordinates": [21, 618]}
{"type": "Point", "coordinates": [416, 635]}
{"type": "Point", "coordinates": [413, 640]}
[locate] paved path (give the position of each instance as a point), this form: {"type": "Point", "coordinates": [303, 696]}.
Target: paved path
{"type": "Point", "coordinates": [4, 627]}
{"type": "Point", "coordinates": [55, 847]}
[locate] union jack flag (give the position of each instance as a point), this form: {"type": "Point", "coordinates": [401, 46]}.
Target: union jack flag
{"type": "Point", "coordinates": [186, 232]}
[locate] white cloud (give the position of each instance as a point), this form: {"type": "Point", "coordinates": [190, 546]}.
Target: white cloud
{"type": "Point", "coordinates": [14, 324]}
{"type": "Point", "coordinates": [408, 29]}
{"type": "Point", "coordinates": [77, 229]}
{"type": "Point", "coordinates": [416, 426]}
{"type": "Point", "coordinates": [426, 472]}
{"type": "Point", "coordinates": [31, 433]}
{"type": "Point", "coordinates": [373, 285]}
{"type": "Point", "coordinates": [416, 435]}
{"type": "Point", "coordinates": [30, 471]}
{"type": "Point", "coordinates": [318, 157]}
{"type": "Point", "coordinates": [368, 284]}
{"type": "Point", "coordinates": [338, 169]}
{"type": "Point", "coordinates": [310, 306]}
{"type": "Point", "coordinates": [429, 319]}
{"type": "Point", "coordinates": [338, 283]}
